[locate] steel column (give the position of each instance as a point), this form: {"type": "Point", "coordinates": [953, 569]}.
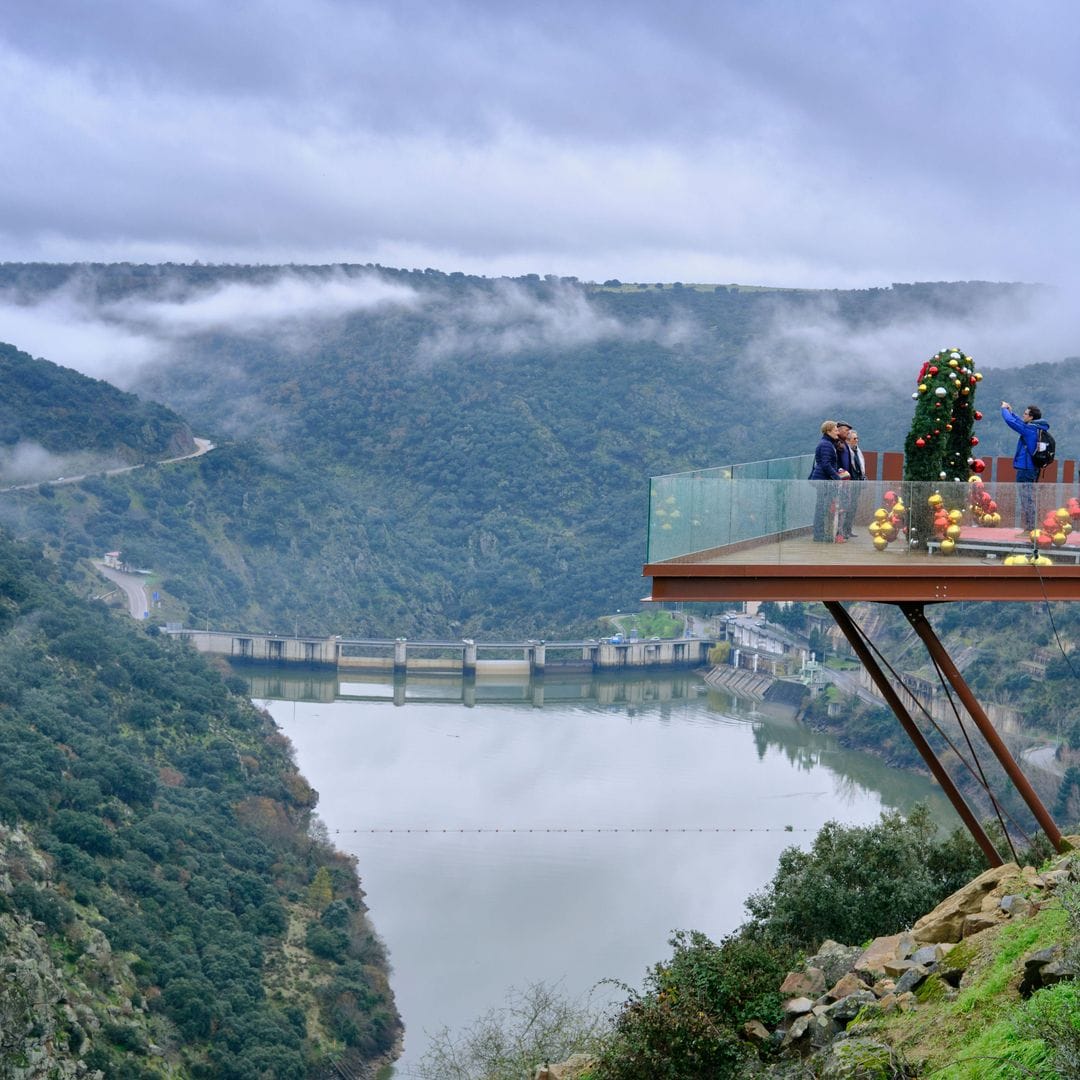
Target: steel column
{"type": "Point", "coordinates": [881, 680]}
{"type": "Point", "coordinates": [915, 615]}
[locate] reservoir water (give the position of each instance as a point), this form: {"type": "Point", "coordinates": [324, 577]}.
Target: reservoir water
{"type": "Point", "coordinates": [561, 830]}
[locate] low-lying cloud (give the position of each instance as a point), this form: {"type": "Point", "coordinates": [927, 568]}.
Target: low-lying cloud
{"type": "Point", "coordinates": [123, 341]}
{"type": "Point", "coordinates": [857, 363]}
{"type": "Point", "coordinates": [511, 319]}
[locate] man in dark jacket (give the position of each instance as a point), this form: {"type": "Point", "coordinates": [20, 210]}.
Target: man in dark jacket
{"type": "Point", "coordinates": [1027, 426]}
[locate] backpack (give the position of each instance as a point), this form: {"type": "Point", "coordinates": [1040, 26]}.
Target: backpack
{"type": "Point", "coordinates": [1045, 450]}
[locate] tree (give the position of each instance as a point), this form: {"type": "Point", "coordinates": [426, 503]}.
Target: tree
{"type": "Point", "coordinates": [537, 1025]}
{"type": "Point", "coordinates": [941, 440]}
{"type": "Point", "coordinates": [864, 881]}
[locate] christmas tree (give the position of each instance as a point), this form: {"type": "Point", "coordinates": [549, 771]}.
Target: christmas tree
{"type": "Point", "coordinates": [940, 445]}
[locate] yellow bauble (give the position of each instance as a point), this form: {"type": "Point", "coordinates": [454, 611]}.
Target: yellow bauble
{"type": "Point", "coordinates": [1062, 514]}
{"type": "Point", "coordinates": [880, 515]}
{"type": "Point", "coordinates": [880, 543]}
{"type": "Point", "coordinates": [996, 516]}
{"type": "Point", "coordinates": [899, 507]}
{"type": "Point", "coordinates": [1058, 539]}
{"type": "Point", "coordinates": [1011, 560]}
{"type": "Point", "coordinates": [935, 499]}
{"type": "Point", "coordinates": [948, 546]}
{"type": "Point", "coordinates": [953, 532]}
{"type": "Point", "coordinates": [922, 388]}
{"type": "Point", "coordinates": [956, 516]}
{"type": "Point", "coordinates": [1067, 528]}
{"type": "Point", "coordinates": [873, 528]}
{"type": "Point", "coordinates": [888, 530]}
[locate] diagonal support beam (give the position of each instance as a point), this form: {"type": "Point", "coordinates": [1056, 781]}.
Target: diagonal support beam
{"type": "Point", "coordinates": [917, 618]}
{"type": "Point", "coordinates": [881, 680]}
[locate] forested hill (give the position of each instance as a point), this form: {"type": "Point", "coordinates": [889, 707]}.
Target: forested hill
{"type": "Point", "coordinates": [51, 415]}
{"type": "Point", "coordinates": [436, 455]}
{"type": "Point", "coordinates": [168, 902]}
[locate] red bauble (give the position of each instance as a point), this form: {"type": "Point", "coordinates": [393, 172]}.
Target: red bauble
{"type": "Point", "coordinates": [920, 443]}
{"type": "Point", "coordinates": [974, 440]}
{"type": "Point", "coordinates": [978, 415]}
{"type": "Point", "coordinates": [978, 465]}
{"type": "Point", "coordinates": [932, 369]}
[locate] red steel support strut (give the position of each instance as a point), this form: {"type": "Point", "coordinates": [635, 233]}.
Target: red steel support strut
{"type": "Point", "coordinates": [881, 680]}
{"type": "Point", "coordinates": [914, 615]}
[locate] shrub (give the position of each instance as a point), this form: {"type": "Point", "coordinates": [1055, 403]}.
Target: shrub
{"type": "Point", "coordinates": [861, 882]}
{"type": "Point", "coordinates": [686, 1024]}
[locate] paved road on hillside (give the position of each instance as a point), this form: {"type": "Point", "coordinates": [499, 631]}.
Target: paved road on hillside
{"type": "Point", "coordinates": [202, 446]}
{"type": "Point", "coordinates": [134, 586]}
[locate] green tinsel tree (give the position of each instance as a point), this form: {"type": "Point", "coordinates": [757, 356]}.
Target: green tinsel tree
{"type": "Point", "coordinates": [940, 447]}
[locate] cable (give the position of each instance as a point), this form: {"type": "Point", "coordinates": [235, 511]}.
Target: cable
{"type": "Point", "coordinates": [1053, 625]}
{"type": "Point", "coordinates": [978, 763]}
{"type": "Point", "coordinates": [980, 780]}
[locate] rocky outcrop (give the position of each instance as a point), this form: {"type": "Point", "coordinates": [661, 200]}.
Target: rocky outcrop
{"type": "Point", "coordinates": [905, 971]}
{"type": "Point", "coordinates": [51, 1011]}
{"type": "Point", "coordinates": [841, 985]}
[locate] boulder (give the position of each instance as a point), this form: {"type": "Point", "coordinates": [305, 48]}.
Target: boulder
{"type": "Point", "coordinates": [846, 1009]}
{"type": "Point", "coordinates": [834, 960]}
{"type": "Point", "coordinates": [1016, 906]}
{"type": "Point", "coordinates": [871, 961]}
{"type": "Point", "coordinates": [914, 977]}
{"type": "Point", "coordinates": [756, 1032]}
{"type": "Point", "coordinates": [1046, 967]}
{"type": "Point", "coordinates": [946, 921]}
{"type": "Point", "coordinates": [860, 1059]}
{"type": "Point", "coordinates": [979, 921]}
{"type": "Point", "coordinates": [807, 983]}
{"type": "Point", "coordinates": [849, 984]}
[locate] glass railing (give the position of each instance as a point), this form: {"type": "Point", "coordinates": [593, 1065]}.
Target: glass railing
{"type": "Point", "coordinates": [745, 514]}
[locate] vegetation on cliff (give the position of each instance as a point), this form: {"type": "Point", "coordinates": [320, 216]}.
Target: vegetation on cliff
{"type": "Point", "coordinates": [169, 904]}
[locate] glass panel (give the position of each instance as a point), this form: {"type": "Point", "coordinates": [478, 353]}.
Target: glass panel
{"type": "Point", "coordinates": [742, 515]}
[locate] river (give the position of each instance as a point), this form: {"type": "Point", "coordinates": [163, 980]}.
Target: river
{"type": "Point", "coordinates": [560, 830]}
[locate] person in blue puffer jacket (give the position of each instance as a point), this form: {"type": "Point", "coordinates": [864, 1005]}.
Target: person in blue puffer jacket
{"type": "Point", "coordinates": [1027, 428]}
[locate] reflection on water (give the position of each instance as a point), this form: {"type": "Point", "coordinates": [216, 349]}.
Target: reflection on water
{"type": "Point", "coordinates": [289, 685]}
{"type": "Point", "coordinates": [590, 773]}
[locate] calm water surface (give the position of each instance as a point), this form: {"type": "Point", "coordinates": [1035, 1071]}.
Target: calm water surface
{"type": "Point", "coordinates": [583, 779]}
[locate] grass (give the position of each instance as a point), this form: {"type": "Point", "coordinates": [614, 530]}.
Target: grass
{"type": "Point", "coordinates": [987, 1032]}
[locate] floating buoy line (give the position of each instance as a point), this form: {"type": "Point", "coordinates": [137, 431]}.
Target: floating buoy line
{"type": "Point", "coordinates": [588, 829]}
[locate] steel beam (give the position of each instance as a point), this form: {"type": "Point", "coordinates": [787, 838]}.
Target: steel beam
{"type": "Point", "coordinates": [915, 615]}
{"type": "Point", "coordinates": [881, 680]}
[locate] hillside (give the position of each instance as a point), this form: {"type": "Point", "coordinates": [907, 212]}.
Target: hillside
{"type": "Point", "coordinates": [435, 455]}
{"type": "Point", "coordinates": [169, 903]}
{"type": "Point", "coordinates": [54, 421]}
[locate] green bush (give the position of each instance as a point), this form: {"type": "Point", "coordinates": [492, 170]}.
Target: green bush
{"type": "Point", "coordinates": [861, 882]}
{"type": "Point", "coordinates": [686, 1025]}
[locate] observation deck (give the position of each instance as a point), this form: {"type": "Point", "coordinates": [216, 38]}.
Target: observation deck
{"type": "Point", "coordinates": [746, 532]}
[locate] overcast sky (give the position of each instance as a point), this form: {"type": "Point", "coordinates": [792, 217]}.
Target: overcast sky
{"type": "Point", "coordinates": [784, 142]}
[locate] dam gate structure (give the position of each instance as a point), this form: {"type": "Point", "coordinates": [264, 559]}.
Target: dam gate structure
{"type": "Point", "coordinates": [466, 658]}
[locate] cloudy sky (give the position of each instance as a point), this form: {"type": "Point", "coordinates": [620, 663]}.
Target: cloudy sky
{"type": "Point", "coordinates": [826, 144]}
